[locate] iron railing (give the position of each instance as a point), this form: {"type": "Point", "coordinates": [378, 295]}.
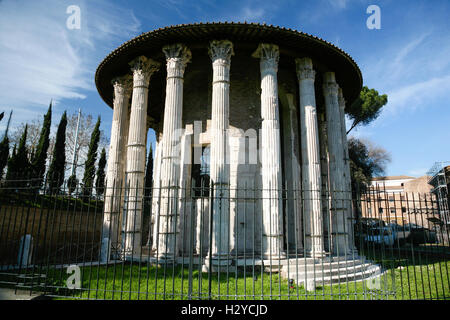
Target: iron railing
{"type": "Point", "coordinates": [395, 245]}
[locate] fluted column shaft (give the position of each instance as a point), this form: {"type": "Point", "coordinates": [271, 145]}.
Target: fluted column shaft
{"type": "Point", "coordinates": [142, 68]}
{"type": "Point", "coordinates": [156, 191]}
{"type": "Point", "coordinates": [337, 168]}
{"type": "Point", "coordinates": [220, 53]}
{"type": "Point", "coordinates": [116, 165]}
{"type": "Point", "coordinates": [347, 175]}
{"type": "Point", "coordinates": [272, 205]}
{"type": "Point", "coordinates": [177, 56]}
{"type": "Point", "coordinates": [296, 194]}
{"type": "Point", "coordinates": [311, 180]}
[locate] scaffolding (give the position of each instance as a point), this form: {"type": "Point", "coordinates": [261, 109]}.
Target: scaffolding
{"type": "Point", "coordinates": [439, 181]}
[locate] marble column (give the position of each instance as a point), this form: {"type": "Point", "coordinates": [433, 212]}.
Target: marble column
{"type": "Point", "coordinates": [337, 171]}
{"type": "Point", "coordinates": [311, 179]}
{"type": "Point", "coordinates": [116, 168]}
{"type": "Point", "coordinates": [156, 190]}
{"type": "Point", "coordinates": [324, 169]}
{"type": "Point", "coordinates": [293, 223]}
{"type": "Point", "coordinates": [220, 52]}
{"type": "Point", "coordinates": [272, 204]}
{"type": "Point", "coordinates": [347, 177]}
{"type": "Point", "coordinates": [177, 57]}
{"type": "Point", "coordinates": [142, 68]}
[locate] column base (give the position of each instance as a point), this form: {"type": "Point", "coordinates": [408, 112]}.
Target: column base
{"type": "Point", "coordinates": [295, 252]}
{"type": "Point", "coordinates": [348, 253]}
{"type": "Point", "coordinates": [272, 262]}
{"type": "Point", "coordinates": [316, 254]}
{"type": "Point", "coordinates": [274, 256]}
{"type": "Point", "coordinates": [216, 263]}
{"type": "Point", "coordinates": [105, 251]}
{"type": "Point", "coordinates": [166, 258]}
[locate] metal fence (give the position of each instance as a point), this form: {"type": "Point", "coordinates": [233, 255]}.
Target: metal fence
{"type": "Point", "coordinates": [137, 243]}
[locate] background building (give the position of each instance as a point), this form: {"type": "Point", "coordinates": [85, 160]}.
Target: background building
{"type": "Point", "coordinates": [439, 180]}
{"type": "Point", "coordinates": [401, 200]}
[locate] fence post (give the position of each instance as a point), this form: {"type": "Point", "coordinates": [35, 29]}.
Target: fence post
{"type": "Point", "coordinates": [25, 250]}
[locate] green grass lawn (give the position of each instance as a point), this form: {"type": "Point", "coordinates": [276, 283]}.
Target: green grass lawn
{"type": "Point", "coordinates": [428, 281]}
{"type": "Point", "coordinates": [407, 277]}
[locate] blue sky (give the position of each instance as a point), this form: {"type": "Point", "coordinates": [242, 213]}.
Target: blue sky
{"type": "Point", "coordinates": [408, 58]}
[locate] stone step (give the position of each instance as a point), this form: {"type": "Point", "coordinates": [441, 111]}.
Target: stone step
{"type": "Point", "coordinates": [31, 276]}
{"type": "Point", "coordinates": [328, 272]}
{"type": "Point", "coordinates": [341, 278]}
{"type": "Point", "coordinates": [24, 285]}
{"type": "Point", "coordinates": [301, 266]}
{"type": "Point", "coordinates": [274, 262]}
{"type": "Point", "coordinates": [344, 258]}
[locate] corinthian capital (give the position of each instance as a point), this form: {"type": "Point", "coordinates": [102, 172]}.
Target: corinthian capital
{"type": "Point", "coordinates": [269, 55]}
{"type": "Point", "coordinates": [221, 50]}
{"type": "Point", "coordinates": [177, 57]}
{"type": "Point", "coordinates": [305, 69]}
{"type": "Point", "coordinates": [122, 85]}
{"type": "Point", "coordinates": [143, 68]}
{"type": "Point", "coordinates": [330, 87]}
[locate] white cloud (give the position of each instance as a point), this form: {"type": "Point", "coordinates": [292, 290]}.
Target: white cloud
{"type": "Point", "coordinates": [249, 11]}
{"type": "Point", "coordinates": [408, 48]}
{"type": "Point", "coordinates": [251, 14]}
{"type": "Point", "coordinates": [341, 4]}
{"type": "Point", "coordinates": [418, 94]}
{"type": "Point", "coordinates": [410, 73]}
{"type": "Point", "coordinates": [41, 59]}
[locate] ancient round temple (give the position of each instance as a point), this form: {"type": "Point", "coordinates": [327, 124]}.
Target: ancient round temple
{"type": "Point", "coordinates": [251, 157]}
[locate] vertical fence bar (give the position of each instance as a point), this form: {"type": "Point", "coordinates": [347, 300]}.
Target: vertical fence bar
{"type": "Point", "coordinates": [442, 245]}
{"type": "Point", "coordinates": [191, 245]}
{"type": "Point", "coordinates": [50, 243]}
{"type": "Point", "coordinates": [158, 215]}
{"type": "Point", "coordinates": [183, 234]}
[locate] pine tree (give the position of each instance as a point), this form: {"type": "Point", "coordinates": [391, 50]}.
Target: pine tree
{"type": "Point", "coordinates": [4, 149]}
{"type": "Point", "coordinates": [19, 164]}
{"type": "Point", "coordinates": [89, 165]}
{"type": "Point", "coordinates": [40, 156]}
{"type": "Point", "coordinates": [55, 175]}
{"type": "Point", "coordinates": [100, 182]}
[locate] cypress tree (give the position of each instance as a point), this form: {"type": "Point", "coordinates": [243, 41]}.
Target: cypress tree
{"type": "Point", "coordinates": [148, 193]}
{"type": "Point", "coordinates": [72, 183]}
{"type": "Point", "coordinates": [100, 182]}
{"type": "Point", "coordinates": [55, 175]}
{"type": "Point", "coordinates": [4, 149]}
{"type": "Point", "coordinates": [11, 170]}
{"type": "Point", "coordinates": [89, 165]}
{"type": "Point", "coordinates": [40, 156]}
{"type": "Point", "coordinates": [19, 164]}
{"type": "Point", "coordinates": [4, 154]}
{"type": "Point", "coordinates": [149, 173]}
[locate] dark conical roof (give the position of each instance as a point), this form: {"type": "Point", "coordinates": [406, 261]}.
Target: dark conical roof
{"type": "Point", "coordinates": [293, 42]}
